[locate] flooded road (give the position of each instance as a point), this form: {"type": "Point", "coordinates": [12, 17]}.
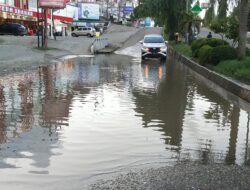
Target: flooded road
{"type": "Point", "coordinates": [69, 124]}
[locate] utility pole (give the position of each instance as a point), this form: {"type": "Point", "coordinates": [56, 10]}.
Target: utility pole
{"type": "Point", "coordinates": [120, 4]}
{"type": "Point", "coordinates": [186, 34]}
{"type": "Point", "coordinates": [45, 28]}
{"type": "Point", "coordinates": [51, 24]}
{"type": "Point", "coordinates": [38, 38]}
{"type": "Point", "coordinates": [187, 6]}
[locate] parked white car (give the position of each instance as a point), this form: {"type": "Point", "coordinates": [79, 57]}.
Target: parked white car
{"type": "Point", "coordinates": [84, 31]}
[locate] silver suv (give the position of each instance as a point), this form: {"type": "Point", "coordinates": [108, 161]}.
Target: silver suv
{"type": "Point", "coordinates": [153, 45]}
{"type": "Point", "coordinates": [83, 31]}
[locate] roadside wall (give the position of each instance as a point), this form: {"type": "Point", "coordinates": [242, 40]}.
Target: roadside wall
{"type": "Point", "coordinates": [240, 90]}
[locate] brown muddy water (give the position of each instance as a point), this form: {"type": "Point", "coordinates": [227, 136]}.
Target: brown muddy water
{"type": "Point", "coordinates": [68, 124]}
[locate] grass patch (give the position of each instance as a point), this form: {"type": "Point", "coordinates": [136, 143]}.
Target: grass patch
{"type": "Point", "coordinates": [183, 49]}
{"type": "Point", "coordinates": [236, 69]}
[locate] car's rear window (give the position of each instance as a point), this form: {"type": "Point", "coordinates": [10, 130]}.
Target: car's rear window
{"type": "Point", "coordinates": [153, 40]}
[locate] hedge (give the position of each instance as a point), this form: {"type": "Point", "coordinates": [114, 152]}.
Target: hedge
{"type": "Point", "coordinates": [221, 53]}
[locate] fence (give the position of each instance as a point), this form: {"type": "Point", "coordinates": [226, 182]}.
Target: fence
{"type": "Point", "coordinates": [98, 44]}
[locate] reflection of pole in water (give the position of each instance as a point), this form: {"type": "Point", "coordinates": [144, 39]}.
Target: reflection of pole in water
{"type": "Point", "coordinates": [3, 136]}
{"type": "Point", "coordinates": [247, 138]}
{"type": "Point", "coordinates": [26, 94]}
{"type": "Point", "coordinates": [146, 70]}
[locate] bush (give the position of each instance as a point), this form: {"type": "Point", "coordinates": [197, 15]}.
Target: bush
{"type": "Point", "coordinates": [204, 53]}
{"type": "Point", "coordinates": [196, 45]}
{"type": "Point", "coordinates": [221, 53]}
{"type": "Point", "coordinates": [213, 42]}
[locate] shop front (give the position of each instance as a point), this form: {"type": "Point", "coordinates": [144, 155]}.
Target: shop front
{"type": "Point", "coordinates": [10, 14]}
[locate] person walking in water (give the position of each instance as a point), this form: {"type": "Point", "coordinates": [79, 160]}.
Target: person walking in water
{"type": "Point", "coordinates": [209, 35]}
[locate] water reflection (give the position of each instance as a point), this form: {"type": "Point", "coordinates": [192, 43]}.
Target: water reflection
{"type": "Point", "coordinates": [90, 116]}
{"type": "Point", "coordinates": [26, 104]}
{"type": "Point", "coordinates": [163, 107]}
{"type": "Point", "coordinates": [2, 115]}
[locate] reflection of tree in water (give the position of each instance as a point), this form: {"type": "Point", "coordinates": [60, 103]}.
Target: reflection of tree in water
{"type": "Point", "coordinates": [165, 104]}
{"type": "Point", "coordinates": [225, 115]}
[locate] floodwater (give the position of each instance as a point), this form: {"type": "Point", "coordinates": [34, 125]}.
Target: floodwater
{"type": "Point", "coordinates": [68, 124]}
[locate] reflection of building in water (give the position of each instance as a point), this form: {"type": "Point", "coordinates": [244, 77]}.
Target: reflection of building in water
{"type": "Point", "coordinates": [55, 106]}
{"type": "Point", "coordinates": [3, 126]}
{"type": "Point", "coordinates": [26, 94]}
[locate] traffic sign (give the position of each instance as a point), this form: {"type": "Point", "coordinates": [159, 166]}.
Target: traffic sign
{"type": "Point", "coordinates": [196, 9]}
{"type": "Point", "coordinates": [128, 9]}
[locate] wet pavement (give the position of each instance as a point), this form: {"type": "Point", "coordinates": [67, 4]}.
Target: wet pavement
{"type": "Point", "coordinates": [68, 124]}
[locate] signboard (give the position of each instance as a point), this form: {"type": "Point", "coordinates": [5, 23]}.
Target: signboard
{"type": "Point", "coordinates": [128, 9]}
{"type": "Point", "coordinates": [14, 10]}
{"type": "Point", "coordinates": [196, 9]}
{"type": "Point", "coordinates": [205, 5]}
{"type": "Point", "coordinates": [69, 11]}
{"type": "Point", "coordinates": [88, 11]}
{"type": "Point", "coordinates": [55, 4]}
{"type": "Point", "coordinates": [147, 22]}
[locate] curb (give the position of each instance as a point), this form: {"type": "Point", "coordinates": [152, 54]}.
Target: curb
{"type": "Point", "coordinates": [230, 85]}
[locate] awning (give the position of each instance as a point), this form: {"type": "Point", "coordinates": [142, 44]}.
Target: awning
{"type": "Point", "coordinates": [57, 23]}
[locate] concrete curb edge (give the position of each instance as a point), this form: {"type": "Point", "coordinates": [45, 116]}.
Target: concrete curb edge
{"type": "Point", "coordinates": [232, 86]}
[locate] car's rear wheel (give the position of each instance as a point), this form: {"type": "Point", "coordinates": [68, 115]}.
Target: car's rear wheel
{"type": "Point", "coordinates": [74, 35]}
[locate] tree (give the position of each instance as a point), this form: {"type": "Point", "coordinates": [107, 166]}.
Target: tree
{"type": "Point", "coordinates": [233, 26]}
{"type": "Point", "coordinates": [219, 26]}
{"type": "Point", "coordinates": [222, 9]}
{"type": "Point", "coordinates": [209, 16]}
{"type": "Point", "coordinates": [244, 9]}
{"type": "Point", "coordinates": [167, 12]}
